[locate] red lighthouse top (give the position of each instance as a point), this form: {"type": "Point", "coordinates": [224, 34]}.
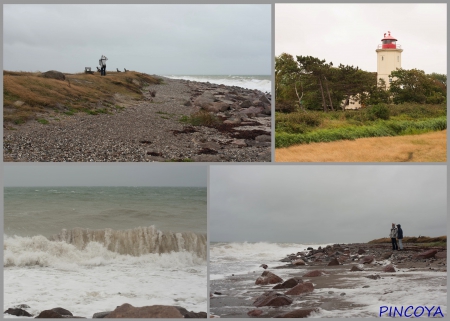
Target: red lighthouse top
{"type": "Point", "coordinates": [388, 42]}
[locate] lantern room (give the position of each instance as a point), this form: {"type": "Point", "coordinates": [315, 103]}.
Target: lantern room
{"type": "Point", "coordinates": [388, 42]}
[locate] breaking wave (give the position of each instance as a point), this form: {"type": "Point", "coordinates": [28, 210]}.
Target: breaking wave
{"type": "Point", "coordinates": [99, 247]}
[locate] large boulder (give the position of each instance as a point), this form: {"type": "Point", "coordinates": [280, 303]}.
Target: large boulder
{"type": "Point", "coordinates": [426, 255]}
{"type": "Point", "coordinates": [361, 251]}
{"type": "Point", "coordinates": [386, 256]}
{"type": "Point", "coordinates": [313, 273]}
{"type": "Point", "coordinates": [290, 283]}
{"type": "Point", "coordinates": [301, 288]}
{"type": "Point", "coordinates": [53, 74]}
{"type": "Point", "coordinates": [300, 313]}
{"type": "Point", "coordinates": [273, 299]}
{"type": "Point", "coordinates": [268, 277]}
{"type": "Point", "coordinates": [153, 311]}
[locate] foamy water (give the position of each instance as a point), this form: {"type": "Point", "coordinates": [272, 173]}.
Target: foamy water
{"type": "Point", "coordinates": [89, 270]}
{"type": "Point", "coordinates": [262, 83]}
{"type": "Point", "coordinates": [404, 288]}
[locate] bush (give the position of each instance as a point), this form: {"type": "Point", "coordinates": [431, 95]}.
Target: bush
{"type": "Point", "coordinates": [285, 106]}
{"type": "Point", "coordinates": [380, 111]}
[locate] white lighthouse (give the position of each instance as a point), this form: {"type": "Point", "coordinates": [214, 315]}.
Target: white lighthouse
{"type": "Point", "coordinates": [389, 58]}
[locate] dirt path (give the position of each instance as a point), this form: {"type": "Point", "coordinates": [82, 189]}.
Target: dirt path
{"type": "Point", "coordinates": [148, 130]}
{"type": "Point", "coordinates": [429, 147]}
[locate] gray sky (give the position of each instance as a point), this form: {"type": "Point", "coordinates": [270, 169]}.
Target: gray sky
{"type": "Point", "coordinates": [325, 203]}
{"type": "Point", "coordinates": [349, 33]}
{"type": "Point", "coordinates": [155, 39]}
{"type": "Point", "coordinates": [121, 174]}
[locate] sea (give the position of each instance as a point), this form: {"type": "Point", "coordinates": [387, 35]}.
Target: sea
{"type": "Point", "coordinates": [90, 249]}
{"type": "Point", "coordinates": [260, 82]}
{"type": "Point", "coordinates": [234, 267]}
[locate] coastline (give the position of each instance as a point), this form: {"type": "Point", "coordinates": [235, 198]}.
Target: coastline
{"type": "Point", "coordinates": [339, 292]}
{"type": "Point", "coordinates": [151, 130]}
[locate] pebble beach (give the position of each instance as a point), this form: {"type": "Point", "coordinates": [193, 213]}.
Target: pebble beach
{"type": "Point", "coordinates": [150, 130]}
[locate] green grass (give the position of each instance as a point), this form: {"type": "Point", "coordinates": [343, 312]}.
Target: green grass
{"type": "Point", "coordinates": [42, 121]}
{"type": "Point", "coordinates": [379, 128]}
{"type": "Point", "coordinates": [200, 118]}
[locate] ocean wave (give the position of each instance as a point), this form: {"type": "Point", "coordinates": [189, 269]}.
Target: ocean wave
{"type": "Point", "coordinates": [249, 82]}
{"type": "Point", "coordinates": [100, 247]}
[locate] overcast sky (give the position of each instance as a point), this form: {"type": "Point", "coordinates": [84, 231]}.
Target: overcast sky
{"type": "Point", "coordinates": [105, 174]}
{"type": "Point", "coordinates": [349, 33]}
{"type": "Point", "coordinates": [155, 39]}
{"type": "Point", "coordinates": [325, 203]}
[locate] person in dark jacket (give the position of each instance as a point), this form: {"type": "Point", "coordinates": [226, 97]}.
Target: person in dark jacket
{"type": "Point", "coordinates": [393, 236]}
{"type": "Point", "coordinates": [102, 63]}
{"type": "Point", "coordinates": [399, 237]}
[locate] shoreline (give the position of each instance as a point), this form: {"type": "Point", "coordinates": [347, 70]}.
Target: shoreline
{"type": "Point", "coordinates": [239, 292]}
{"type": "Point", "coordinates": [156, 129]}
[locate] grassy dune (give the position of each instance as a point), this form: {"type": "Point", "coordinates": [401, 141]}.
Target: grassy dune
{"type": "Point", "coordinates": [25, 94]}
{"type": "Point", "coordinates": [422, 241]}
{"type": "Point", "coordinates": [429, 147]}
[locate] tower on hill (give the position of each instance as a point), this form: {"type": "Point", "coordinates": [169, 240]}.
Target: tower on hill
{"type": "Point", "coordinates": [389, 58]}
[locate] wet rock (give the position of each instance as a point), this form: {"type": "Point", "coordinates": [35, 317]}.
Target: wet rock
{"type": "Point", "coordinates": [301, 288]}
{"type": "Point", "coordinates": [361, 251]}
{"type": "Point", "coordinates": [62, 311]}
{"type": "Point", "coordinates": [290, 283]}
{"type": "Point", "coordinates": [300, 313]}
{"type": "Point", "coordinates": [367, 259]}
{"type": "Point", "coordinates": [195, 315]}
{"type": "Point", "coordinates": [426, 255]}
{"type": "Point", "coordinates": [389, 268]}
{"type": "Point", "coordinates": [272, 298]}
{"type": "Point", "coordinates": [49, 314]}
{"type": "Point", "coordinates": [313, 273]}
{"type": "Point", "coordinates": [101, 315]}
{"type": "Point", "coordinates": [298, 262]}
{"type": "Point", "coordinates": [386, 256]}
{"type": "Point", "coordinates": [373, 276]}
{"type": "Point", "coordinates": [356, 268]}
{"type": "Point", "coordinates": [254, 313]}
{"type": "Point", "coordinates": [18, 312]}
{"type": "Point", "coordinates": [154, 311]}
{"type": "Point", "coordinates": [264, 266]}
{"type": "Point", "coordinates": [334, 262]}
{"type": "Point", "coordinates": [268, 277]}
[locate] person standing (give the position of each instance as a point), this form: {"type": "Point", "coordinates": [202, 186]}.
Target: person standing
{"type": "Point", "coordinates": [399, 237]}
{"type": "Point", "coordinates": [102, 63]}
{"type": "Point", "coordinates": [393, 236]}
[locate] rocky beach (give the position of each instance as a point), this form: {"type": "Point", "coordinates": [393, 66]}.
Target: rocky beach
{"type": "Point", "coordinates": [156, 128]}
{"type": "Point", "coordinates": [339, 280]}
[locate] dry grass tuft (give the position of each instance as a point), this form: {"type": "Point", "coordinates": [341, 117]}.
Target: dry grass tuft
{"type": "Point", "coordinates": [79, 92]}
{"type": "Point", "coordinates": [429, 147]}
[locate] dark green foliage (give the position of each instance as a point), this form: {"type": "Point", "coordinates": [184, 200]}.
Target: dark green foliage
{"type": "Point", "coordinates": [380, 111]}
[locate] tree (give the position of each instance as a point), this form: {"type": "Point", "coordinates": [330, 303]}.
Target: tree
{"type": "Point", "coordinates": [415, 86]}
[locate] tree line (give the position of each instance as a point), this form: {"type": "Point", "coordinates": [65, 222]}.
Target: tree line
{"type": "Point", "coordinates": [309, 83]}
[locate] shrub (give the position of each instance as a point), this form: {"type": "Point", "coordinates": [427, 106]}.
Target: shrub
{"type": "Point", "coordinates": [380, 111]}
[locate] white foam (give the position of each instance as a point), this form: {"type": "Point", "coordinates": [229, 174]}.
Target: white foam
{"type": "Point", "coordinates": [248, 82]}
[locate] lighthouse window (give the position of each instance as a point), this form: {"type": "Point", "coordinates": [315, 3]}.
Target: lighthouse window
{"type": "Point", "coordinates": [382, 58]}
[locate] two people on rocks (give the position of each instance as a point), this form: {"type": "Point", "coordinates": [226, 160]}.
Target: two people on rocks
{"type": "Point", "coordinates": [102, 63]}
{"type": "Point", "coordinates": [396, 233]}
